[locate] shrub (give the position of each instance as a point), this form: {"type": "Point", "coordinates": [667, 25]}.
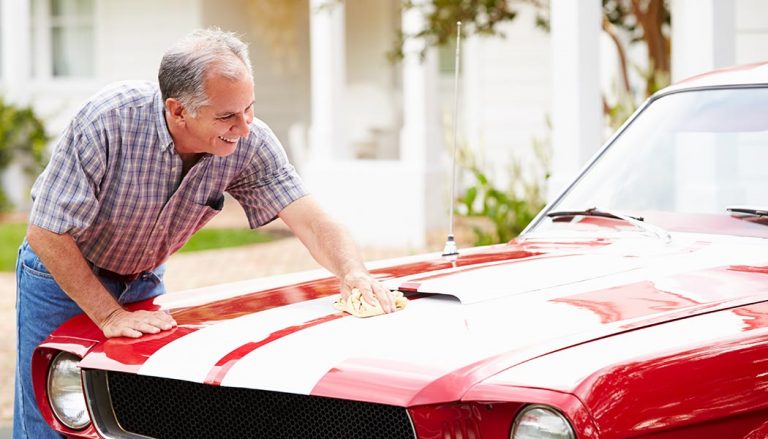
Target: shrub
{"type": "Point", "coordinates": [23, 139]}
{"type": "Point", "coordinates": [506, 212]}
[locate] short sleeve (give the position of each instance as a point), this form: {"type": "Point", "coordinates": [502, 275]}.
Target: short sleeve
{"type": "Point", "coordinates": [268, 182]}
{"type": "Point", "coordinates": [65, 194]}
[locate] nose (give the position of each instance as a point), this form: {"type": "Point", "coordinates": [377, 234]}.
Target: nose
{"type": "Point", "coordinates": [242, 124]}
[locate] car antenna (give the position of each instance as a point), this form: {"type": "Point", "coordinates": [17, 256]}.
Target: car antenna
{"type": "Point", "coordinates": [450, 244]}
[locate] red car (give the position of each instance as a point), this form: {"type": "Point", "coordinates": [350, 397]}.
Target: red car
{"type": "Point", "coordinates": [634, 305]}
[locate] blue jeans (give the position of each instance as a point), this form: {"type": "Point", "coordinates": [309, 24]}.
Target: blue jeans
{"type": "Point", "coordinates": [41, 307]}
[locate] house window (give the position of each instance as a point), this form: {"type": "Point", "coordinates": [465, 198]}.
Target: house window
{"type": "Point", "coordinates": [63, 38]}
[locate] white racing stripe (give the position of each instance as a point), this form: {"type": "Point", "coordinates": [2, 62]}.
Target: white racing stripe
{"type": "Point", "coordinates": [193, 356]}
{"type": "Point", "coordinates": [296, 363]}
{"type": "Point", "coordinates": [505, 279]}
{"type": "Point", "coordinates": [436, 334]}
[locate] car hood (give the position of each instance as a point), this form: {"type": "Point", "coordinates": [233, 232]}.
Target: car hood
{"type": "Point", "coordinates": [468, 318]}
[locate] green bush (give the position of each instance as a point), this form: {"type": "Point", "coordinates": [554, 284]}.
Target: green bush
{"type": "Point", "coordinates": [506, 212]}
{"type": "Point", "coordinates": [22, 138]}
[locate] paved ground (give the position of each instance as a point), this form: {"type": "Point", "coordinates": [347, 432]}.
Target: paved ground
{"type": "Point", "coordinates": [188, 270]}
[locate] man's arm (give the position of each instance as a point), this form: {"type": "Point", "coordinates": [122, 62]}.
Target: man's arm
{"type": "Point", "coordinates": [65, 261]}
{"type": "Point", "coordinates": [332, 247]}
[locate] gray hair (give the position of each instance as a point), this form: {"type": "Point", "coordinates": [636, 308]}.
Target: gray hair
{"type": "Point", "coordinates": [184, 66]}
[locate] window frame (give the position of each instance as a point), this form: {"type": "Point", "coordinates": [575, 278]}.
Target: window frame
{"type": "Point", "coordinates": [42, 26]}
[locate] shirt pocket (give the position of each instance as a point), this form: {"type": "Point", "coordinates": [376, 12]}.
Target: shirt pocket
{"type": "Point", "coordinates": [190, 215]}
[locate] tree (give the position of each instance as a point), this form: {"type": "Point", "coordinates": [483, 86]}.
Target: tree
{"type": "Point", "coordinates": [626, 22]}
{"type": "Point", "coordinates": [480, 17]}
{"type": "Point", "coordinates": [641, 21]}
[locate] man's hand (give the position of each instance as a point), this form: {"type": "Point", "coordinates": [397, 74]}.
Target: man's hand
{"type": "Point", "coordinates": [65, 261]}
{"type": "Point", "coordinates": [371, 289]}
{"type": "Point", "coordinates": [333, 248]}
{"type": "Point", "coordinates": [122, 323]}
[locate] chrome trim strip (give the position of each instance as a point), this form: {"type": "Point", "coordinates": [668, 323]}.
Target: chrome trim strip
{"type": "Point", "coordinates": [410, 421]}
{"type": "Point", "coordinates": [100, 406]}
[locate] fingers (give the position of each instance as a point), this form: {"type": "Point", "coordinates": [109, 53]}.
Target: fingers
{"type": "Point", "coordinates": [371, 290]}
{"type": "Point", "coordinates": [127, 332]}
{"type": "Point", "coordinates": [134, 324]}
{"type": "Point", "coordinates": [367, 292]}
{"type": "Point", "coordinates": [374, 292]}
{"type": "Point", "coordinates": [385, 298]}
{"type": "Point", "coordinates": [162, 319]}
{"type": "Point", "coordinates": [346, 291]}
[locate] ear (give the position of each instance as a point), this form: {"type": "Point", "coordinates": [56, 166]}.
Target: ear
{"type": "Point", "coordinates": [176, 113]}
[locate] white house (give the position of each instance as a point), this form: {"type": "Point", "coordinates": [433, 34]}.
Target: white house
{"type": "Point", "coordinates": [373, 139]}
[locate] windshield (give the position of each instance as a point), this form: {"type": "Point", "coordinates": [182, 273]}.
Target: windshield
{"type": "Point", "coordinates": [689, 154]}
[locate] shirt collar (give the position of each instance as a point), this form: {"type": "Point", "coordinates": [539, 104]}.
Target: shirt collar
{"type": "Point", "coordinates": [162, 127]}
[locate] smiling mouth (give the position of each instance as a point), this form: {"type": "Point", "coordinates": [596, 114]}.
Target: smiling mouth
{"type": "Point", "coordinates": [228, 140]}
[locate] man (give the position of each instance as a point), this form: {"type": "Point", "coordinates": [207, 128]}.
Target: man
{"type": "Point", "coordinates": [137, 172]}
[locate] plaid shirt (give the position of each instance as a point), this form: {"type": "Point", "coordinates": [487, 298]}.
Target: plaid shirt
{"type": "Point", "coordinates": [114, 182]}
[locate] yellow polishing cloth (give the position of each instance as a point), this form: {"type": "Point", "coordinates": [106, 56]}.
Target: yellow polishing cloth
{"type": "Point", "coordinates": [358, 307]}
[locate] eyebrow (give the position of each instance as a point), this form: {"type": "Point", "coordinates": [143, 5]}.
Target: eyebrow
{"type": "Point", "coordinates": [229, 113]}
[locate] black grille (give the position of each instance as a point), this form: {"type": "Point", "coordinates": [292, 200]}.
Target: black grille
{"type": "Point", "coordinates": [165, 408]}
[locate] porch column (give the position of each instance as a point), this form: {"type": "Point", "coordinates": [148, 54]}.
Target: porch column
{"type": "Point", "coordinates": [386, 203]}
{"type": "Point", "coordinates": [422, 157]}
{"type": "Point", "coordinates": [420, 135]}
{"type": "Point", "coordinates": [15, 28]}
{"type": "Point", "coordinates": [15, 71]}
{"type": "Point", "coordinates": [328, 78]}
{"type": "Point", "coordinates": [703, 36]}
{"type": "Point", "coordinates": [576, 110]}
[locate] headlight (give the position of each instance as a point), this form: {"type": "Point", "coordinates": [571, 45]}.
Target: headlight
{"type": "Point", "coordinates": [541, 422]}
{"type": "Point", "coordinates": [65, 391]}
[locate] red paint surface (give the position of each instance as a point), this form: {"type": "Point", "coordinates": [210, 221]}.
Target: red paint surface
{"type": "Point", "coordinates": [567, 404]}
{"type": "Point", "coordinates": [697, 291]}
{"type": "Point", "coordinates": [383, 381]}
{"type": "Point", "coordinates": [458, 420]}
{"type": "Point", "coordinates": [719, 389]}
{"type": "Point", "coordinates": [489, 412]}
{"type": "Point", "coordinates": [739, 74]}
{"type": "Point", "coordinates": [129, 354]}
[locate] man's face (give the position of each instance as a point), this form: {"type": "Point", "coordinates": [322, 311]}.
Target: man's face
{"type": "Point", "coordinates": [219, 125]}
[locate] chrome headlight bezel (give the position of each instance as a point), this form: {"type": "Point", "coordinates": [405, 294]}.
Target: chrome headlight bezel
{"type": "Point", "coordinates": [542, 412]}
{"type": "Point", "coordinates": [65, 391]}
